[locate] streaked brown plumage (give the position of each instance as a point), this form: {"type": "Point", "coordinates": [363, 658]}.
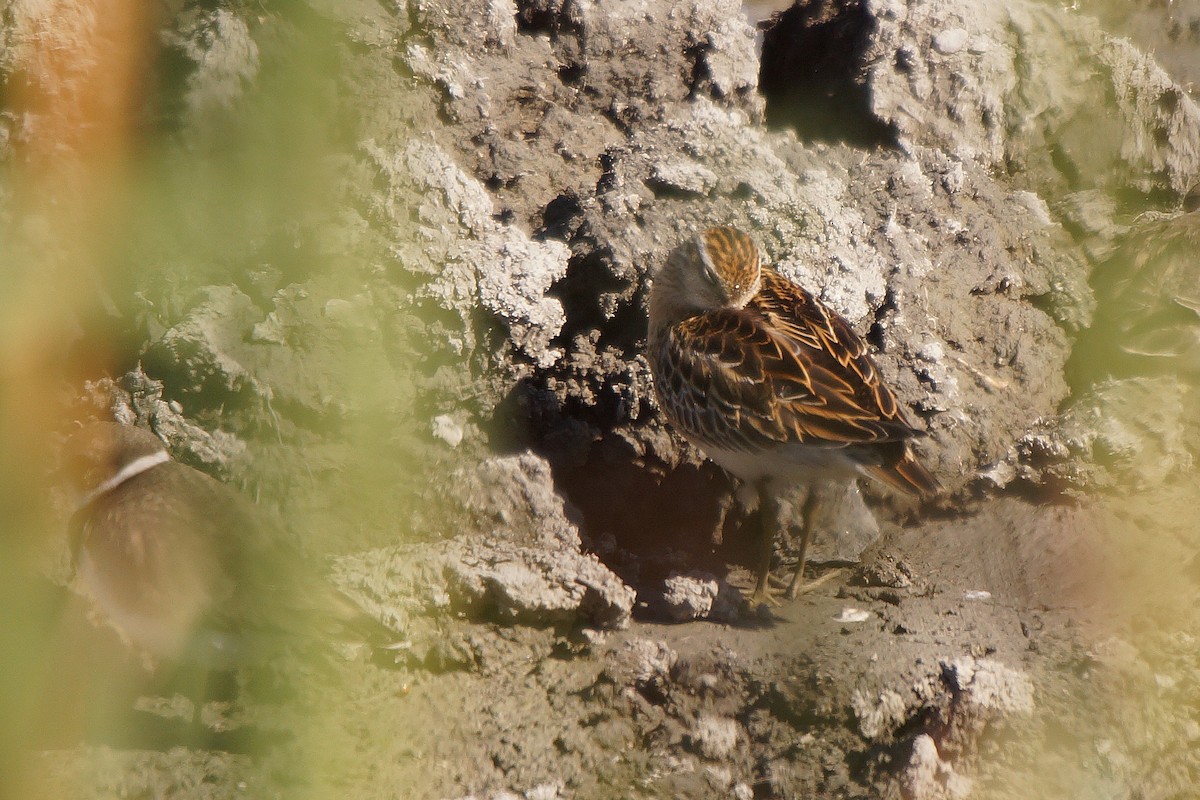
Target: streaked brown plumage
{"type": "Point", "coordinates": [767, 380]}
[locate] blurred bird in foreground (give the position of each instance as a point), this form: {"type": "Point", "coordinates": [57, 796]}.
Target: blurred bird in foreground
{"type": "Point", "coordinates": [183, 567]}
{"type": "Point", "coordinates": [770, 383]}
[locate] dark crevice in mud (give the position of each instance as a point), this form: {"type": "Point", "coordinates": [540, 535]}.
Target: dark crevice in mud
{"type": "Point", "coordinates": [1051, 491]}
{"type": "Point", "coordinates": [561, 217]}
{"type": "Point", "coordinates": [664, 190]}
{"type": "Point", "coordinates": [701, 77]}
{"type": "Point", "coordinates": [571, 73]}
{"type": "Point", "coordinates": [608, 175]}
{"type": "Point", "coordinates": [877, 334]}
{"type": "Point", "coordinates": [812, 77]}
{"type": "Point", "coordinates": [628, 329]}
{"type": "Point", "coordinates": [186, 382]}
{"type": "Point", "coordinates": [641, 521]}
{"type": "Point", "coordinates": [1049, 304]}
{"type": "Point", "coordinates": [518, 414]}
{"type": "Point", "coordinates": [545, 16]}
{"type": "Point", "coordinates": [879, 764]}
{"type": "Point", "coordinates": [444, 107]}
{"type": "Point", "coordinates": [645, 526]}
{"type": "Point", "coordinates": [583, 292]}
{"type": "Point", "coordinates": [627, 119]}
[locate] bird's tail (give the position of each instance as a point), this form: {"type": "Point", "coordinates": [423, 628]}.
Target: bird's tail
{"type": "Point", "coordinates": [906, 474]}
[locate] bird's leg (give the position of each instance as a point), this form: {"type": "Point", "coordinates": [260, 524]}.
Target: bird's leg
{"type": "Point", "coordinates": [718, 533]}
{"type": "Point", "coordinates": [768, 514]}
{"type": "Point", "coordinates": [809, 518]}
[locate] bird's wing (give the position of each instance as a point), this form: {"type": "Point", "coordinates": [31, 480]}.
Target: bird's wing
{"type": "Point", "coordinates": [785, 369]}
{"type": "Point", "coordinates": [164, 548]}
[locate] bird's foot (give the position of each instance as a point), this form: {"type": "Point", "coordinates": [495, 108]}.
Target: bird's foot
{"type": "Point", "coordinates": [763, 596]}
{"type": "Point", "coordinates": [799, 586]}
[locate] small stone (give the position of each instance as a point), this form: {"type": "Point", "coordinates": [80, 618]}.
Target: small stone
{"type": "Point", "coordinates": [699, 595]}
{"type": "Point", "coordinates": [445, 428]}
{"type": "Point", "coordinates": [720, 775]}
{"type": "Point", "coordinates": [954, 178]}
{"type": "Point", "coordinates": [928, 777]}
{"type": "Point", "coordinates": [714, 737]}
{"type": "Point", "coordinates": [1036, 206]}
{"type": "Point", "coordinates": [689, 597]}
{"type": "Point", "coordinates": [977, 594]}
{"type": "Point", "coordinates": [1001, 474]}
{"type": "Point", "coordinates": [932, 352]}
{"type": "Point", "coordinates": [950, 41]}
{"type": "Point", "coordinates": [544, 791]}
{"type": "Point", "coordinates": [879, 714]}
{"type": "Point", "coordinates": [685, 177]}
{"type": "Point", "coordinates": [594, 637]}
{"type": "Point", "coordinates": [980, 45]}
{"type": "Point", "coordinates": [988, 684]}
{"type": "Point", "coordinates": [853, 615]}
{"type": "Point", "coordinates": [649, 660]}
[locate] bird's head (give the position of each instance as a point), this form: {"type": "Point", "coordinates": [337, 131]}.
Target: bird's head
{"type": "Point", "coordinates": [718, 268]}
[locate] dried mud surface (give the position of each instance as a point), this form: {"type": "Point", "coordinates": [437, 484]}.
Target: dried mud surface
{"type": "Point", "coordinates": [562, 572]}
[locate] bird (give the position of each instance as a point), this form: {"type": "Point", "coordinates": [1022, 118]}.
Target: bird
{"type": "Point", "coordinates": [771, 384]}
{"type": "Point", "coordinates": [187, 571]}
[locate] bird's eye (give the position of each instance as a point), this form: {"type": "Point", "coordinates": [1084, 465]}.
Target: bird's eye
{"type": "Point", "coordinates": [710, 275]}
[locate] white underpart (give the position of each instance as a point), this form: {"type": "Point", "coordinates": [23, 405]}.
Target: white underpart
{"type": "Point", "coordinates": [784, 465]}
{"type": "Point", "coordinates": [133, 468]}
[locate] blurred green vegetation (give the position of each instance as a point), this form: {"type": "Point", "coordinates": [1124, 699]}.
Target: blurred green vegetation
{"type": "Point", "coordinates": [193, 175]}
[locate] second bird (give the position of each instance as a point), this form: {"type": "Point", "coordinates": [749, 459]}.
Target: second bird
{"type": "Point", "coordinates": [770, 383]}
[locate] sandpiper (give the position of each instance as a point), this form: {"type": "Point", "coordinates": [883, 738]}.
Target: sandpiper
{"type": "Point", "coordinates": [770, 383]}
{"type": "Point", "coordinates": [186, 570]}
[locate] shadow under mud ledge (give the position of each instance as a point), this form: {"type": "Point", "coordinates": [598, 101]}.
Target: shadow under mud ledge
{"type": "Point", "coordinates": [811, 74]}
